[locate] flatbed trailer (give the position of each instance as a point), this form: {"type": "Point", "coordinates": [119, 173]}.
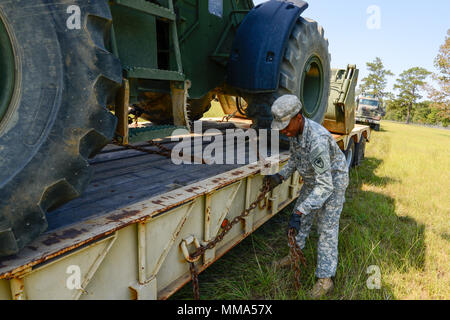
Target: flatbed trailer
{"type": "Point", "coordinates": [125, 237]}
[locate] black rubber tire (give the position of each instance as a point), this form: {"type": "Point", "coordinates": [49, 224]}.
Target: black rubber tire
{"type": "Point", "coordinates": [307, 40]}
{"type": "Point", "coordinates": [58, 118]}
{"type": "Point", "coordinates": [350, 154]}
{"type": "Point", "coordinates": [360, 150]}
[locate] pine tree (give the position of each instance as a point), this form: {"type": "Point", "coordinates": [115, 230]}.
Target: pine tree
{"type": "Point", "coordinates": [441, 97]}
{"type": "Point", "coordinates": [375, 83]}
{"type": "Point", "coordinates": [409, 84]}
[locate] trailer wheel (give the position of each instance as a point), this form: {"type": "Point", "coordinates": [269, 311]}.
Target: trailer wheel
{"type": "Point", "coordinates": [61, 77]}
{"type": "Point", "coordinates": [304, 72]}
{"type": "Point", "coordinates": [350, 154]}
{"type": "Point", "coordinates": [360, 149]}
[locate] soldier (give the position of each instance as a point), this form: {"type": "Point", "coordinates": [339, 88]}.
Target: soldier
{"type": "Point", "coordinates": [322, 165]}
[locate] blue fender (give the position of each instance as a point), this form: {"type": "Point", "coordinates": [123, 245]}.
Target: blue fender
{"type": "Point", "coordinates": [258, 47]}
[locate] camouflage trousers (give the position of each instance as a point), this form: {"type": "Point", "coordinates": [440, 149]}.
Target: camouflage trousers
{"type": "Point", "coordinates": [328, 229]}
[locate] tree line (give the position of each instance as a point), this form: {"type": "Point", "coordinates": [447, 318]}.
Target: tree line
{"type": "Point", "coordinates": [411, 86]}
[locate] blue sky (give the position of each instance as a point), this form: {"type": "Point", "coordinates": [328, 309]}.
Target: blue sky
{"type": "Point", "coordinates": [410, 32]}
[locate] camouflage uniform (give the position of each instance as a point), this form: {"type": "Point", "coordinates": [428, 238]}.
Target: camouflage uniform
{"type": "Point", "coordinates": [321, 163]}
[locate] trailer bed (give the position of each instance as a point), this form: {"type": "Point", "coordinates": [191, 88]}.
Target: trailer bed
{"type": "Point", "coordinates": [122, 182]}
{"type": "Point", "coordinates": [131, 220]}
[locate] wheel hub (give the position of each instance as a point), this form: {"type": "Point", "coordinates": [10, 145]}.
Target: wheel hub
{"type": "Point", "coordinates": [312, 86]}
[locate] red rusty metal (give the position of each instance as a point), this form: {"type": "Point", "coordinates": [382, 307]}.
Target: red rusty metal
{"type": "Point", "coordinates": [224, 223]}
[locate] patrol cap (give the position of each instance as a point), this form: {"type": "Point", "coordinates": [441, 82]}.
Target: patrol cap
{"type": "Point", "coordinates": [284, 109]}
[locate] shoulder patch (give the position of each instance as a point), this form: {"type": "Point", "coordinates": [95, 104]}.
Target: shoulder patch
{"type": "Point", "coordinates": [321, 163]}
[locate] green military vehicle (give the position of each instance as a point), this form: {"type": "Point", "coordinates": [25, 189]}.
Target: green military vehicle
{"type": "Point", "coordinates": [369, 111]}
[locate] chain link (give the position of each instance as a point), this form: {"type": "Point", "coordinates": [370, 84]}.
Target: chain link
{"type": "Point", "coordinates": [296, 257]}
{"type": "Point", "coordinates": [163, 151]}
{"type": "Point", "coordinates": [212, 243]}
{"type": "Point", "coordinates": [194, 278]}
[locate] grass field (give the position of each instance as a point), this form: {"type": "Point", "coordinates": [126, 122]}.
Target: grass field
{"type": "Point", "coordinates": [396, 218]}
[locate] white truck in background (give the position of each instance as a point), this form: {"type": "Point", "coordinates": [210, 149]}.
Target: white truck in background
{"type": "Point", "coordinates": [369, 111]}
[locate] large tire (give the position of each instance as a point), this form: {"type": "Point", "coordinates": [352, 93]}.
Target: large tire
{"type": "Point", "coordinates": [350, 154]}
{"type": "Point", "coordinates": [305, 72]}
{"type": "Point", "coordinates": [360, 150]}
{"type": "Point", "coordinates": [57, 118]}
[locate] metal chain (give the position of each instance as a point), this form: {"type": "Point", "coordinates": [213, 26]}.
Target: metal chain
{"type": "Point", "coordinates": [163, 151]}
{"type": "Point", "coordinates": [212, 243]}
{"type": "Point", "coordinates": [194, 278]}
{"type": "Point", "coordinates": [296, 256]}
{"type": "Point", "coordinates": [227, 117]}
{"type": "Point", "coordinates": [160, 146]}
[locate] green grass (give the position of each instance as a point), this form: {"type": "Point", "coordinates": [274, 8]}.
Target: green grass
{"type": "Point", "coordinates": [396, 217]}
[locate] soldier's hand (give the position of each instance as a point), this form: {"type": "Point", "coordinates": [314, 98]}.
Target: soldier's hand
{"type": "Point", "coordinates": [274, 180]}
{"type": "Point", "coordinates": [294, 223]}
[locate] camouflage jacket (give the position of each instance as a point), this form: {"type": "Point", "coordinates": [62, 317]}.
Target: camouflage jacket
{"type": "Point", "coordinates": [321, 163]}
